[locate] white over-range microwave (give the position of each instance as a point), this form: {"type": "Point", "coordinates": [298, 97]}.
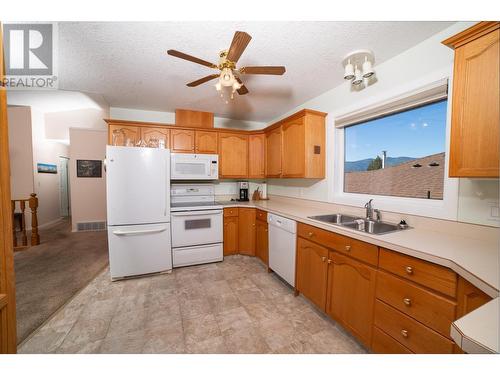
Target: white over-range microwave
{"type": "Point", "coordinates": [194, 166]}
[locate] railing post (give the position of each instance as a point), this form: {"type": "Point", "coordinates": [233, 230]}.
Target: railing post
{"type": "Point", "coordinates": [24, 238]}
{"type": "Point", "coordinates": [33, 203]}
{"type": "Point", "coordinates": [14, 237]}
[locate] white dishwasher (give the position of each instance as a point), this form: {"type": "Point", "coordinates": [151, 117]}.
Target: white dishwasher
{"type": "Point", "coordinates": [282, 245]}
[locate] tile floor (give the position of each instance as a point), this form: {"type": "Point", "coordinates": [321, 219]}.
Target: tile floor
{"type": "Point", "coordinates": [230, 307]}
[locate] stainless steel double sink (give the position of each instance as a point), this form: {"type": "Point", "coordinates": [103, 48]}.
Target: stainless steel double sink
{"type": "Point", "coordinates": [359, 223]}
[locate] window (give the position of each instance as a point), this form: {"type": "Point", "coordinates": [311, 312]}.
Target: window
{"type": "Point", "coordinates": [401, 154]}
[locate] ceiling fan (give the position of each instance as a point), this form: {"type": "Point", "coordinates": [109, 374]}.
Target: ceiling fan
{"type": "Point", "coordinates": [229, 75]}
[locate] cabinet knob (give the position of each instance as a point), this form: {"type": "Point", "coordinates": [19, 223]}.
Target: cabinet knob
{"type": "Point", "coordinates": [323, 259]}
{"type": "Point", "coordinates": [266, 229]}
{"type": "Point", "coordinates": [329, 261]}
{"type": "Point", "coordinates": [310, 234]}
{"type": "Point", "coordinates": [347, 248]}
{"type": "Point", "coordinates": [407, 301]}
{"type": "Point", "coordinates": [404, 333]}
{"type": "Point", "coordinates": [409, 270]}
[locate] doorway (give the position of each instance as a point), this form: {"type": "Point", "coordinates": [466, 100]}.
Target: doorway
{"type": "Point", "coordinates": [64, 186]}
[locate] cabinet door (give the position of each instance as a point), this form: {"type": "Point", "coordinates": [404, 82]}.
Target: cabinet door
{"type": "Point", "coordinates": [206, 142]}
{"type": "Point", "coordinates": [273, 153]}
{"type": "Point", "coordinates": [312, 271]}
{"type": "Point", "coordinates": [469, 297]}
{"type": "Point", "coordinates": [256, 156]}
{"type": "Point", "coordinates": [474, 149]}
{"type": "Point", "coordinates": [246, 231]}
{"type": "Point", "coordinates": [351, 294]}
{"type": "Point", "coordinates": [164, 134]}
{"type": "Point", "coordinates": [233, 155]}
{"type": "Point", "coordinates": [182, 140]}
{"type": "Point", "coordinates": [230, 235]}
{"type": "Point", "coordinates": [121, 133]}
{"type": "Point", "coordinates": [294, 161]}
{"type": "Point", "coordinates": [262, 241]}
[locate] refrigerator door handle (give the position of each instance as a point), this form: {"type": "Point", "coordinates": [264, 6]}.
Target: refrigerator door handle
{"type": "Point", "coordinates": [121, 232]}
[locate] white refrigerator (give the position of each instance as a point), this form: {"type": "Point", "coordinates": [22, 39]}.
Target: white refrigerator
{"type": "Point", "coordinates": [138, 210]}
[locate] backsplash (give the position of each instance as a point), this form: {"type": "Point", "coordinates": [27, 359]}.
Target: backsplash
{"type": "Point", "coordinates": [478, 201]}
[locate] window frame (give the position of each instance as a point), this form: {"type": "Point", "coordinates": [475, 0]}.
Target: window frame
{"type": "Point", "coordinates": [447, 208]}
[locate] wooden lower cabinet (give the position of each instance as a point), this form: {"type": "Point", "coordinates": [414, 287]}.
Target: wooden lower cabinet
{"type": "Point", "coordinates": [351, 294]}
{"type": "Point", "coordinates": [230, 235]}
{"type": "Point", "coordinates": [382, 343]}
{"type": "Point", "coordinates": [262, 241]}
{"type": "Point", "coordinates": [312, 271]}
{"type": "Point", "coordinates": [469, 297]}
{"type": "Point", "coordinates": [246, 231]}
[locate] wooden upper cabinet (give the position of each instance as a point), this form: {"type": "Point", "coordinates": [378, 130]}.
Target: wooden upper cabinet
{"type": "Point", "coordinates": [205, 142]}
{"type": "Point", "coordinates": [303, 154]}
{"type": "Point", "coordinates": [156, 133]}
{"type": "Point", "coordinates": [273, 152]}
{"type": "Point", "coordinates": [469, 297]}
{"type": "Point", "coordinates": [256, 156]}
{"type": "Point", "coordinates": [182, 140]}
{"type": "Point", "coordinates": [351, 295]}
{"type": "Point", "coordinates": [120, 134]}
{"type": "Point", "coordinates": [233, 155]}
{"type": "Point", "coordinates": [475, 121]}
{"type": "Point", "coordinates": [312, 271]}
{"type": "Point", "coordinates": [194, 119]}
{"type": "Point", "coordinates": [246, 231]}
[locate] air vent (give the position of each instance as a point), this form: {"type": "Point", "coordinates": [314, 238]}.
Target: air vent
{"type": "Point", "coordinates": [91, 226]}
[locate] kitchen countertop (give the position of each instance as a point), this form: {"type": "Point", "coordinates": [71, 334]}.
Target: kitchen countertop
{"type": "Point", "coordinates": [476, 260]}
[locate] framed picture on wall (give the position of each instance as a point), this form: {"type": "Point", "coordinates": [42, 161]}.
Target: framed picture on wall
{"type": "Point", "coordinates": [46, 168]}
{"type": "Point", "coordinates": [89, 168]}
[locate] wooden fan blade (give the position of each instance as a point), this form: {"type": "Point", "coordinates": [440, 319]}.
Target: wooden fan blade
{"type": "Point", "coordinates": [238, 45]}
{"type": "Point", "coordinates": [242, 90]}
{"type": "Point", "coordinates": [181, 55]}
{"type": "Point", "coordinates": [274, 70]}
{"type": "Point", "coordinates": [202, 80]}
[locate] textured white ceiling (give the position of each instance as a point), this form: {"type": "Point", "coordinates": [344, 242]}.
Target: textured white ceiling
{"type": "Point", "coordinates": [127, 62]}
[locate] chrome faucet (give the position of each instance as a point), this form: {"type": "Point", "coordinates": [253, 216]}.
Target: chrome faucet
{"type": "Point", "coordinates": [369, 210]}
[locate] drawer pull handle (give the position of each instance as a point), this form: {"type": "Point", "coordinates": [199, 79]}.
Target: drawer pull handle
{"type": "Point", "coordinates": [323, 259]}
{"type": "Point", "coordinates": [310, 234]}
{"type": "Point", "coordinates": [404, 333]}
{"type": "Point", "coordinates": [347, 248]}
{"type": "Point", "coordinates": [407, 301]}
{"type": "Point", "coordinates": [329, 261]}
{"type": "Point", "coordinates": [409, 270]}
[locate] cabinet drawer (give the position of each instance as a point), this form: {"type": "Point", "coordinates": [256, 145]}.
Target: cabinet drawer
{"type": "Point", "coordinates": [349, 246]}
{"type": "Point", "coordinates": [431, 275]}
{"type": "Point", "coordinates": [384, 344]}
{"type": "Point", "coordinates": [231, 211]}
{"type": "Point", "coordinates": [261, 215]}
{"type": "Point", "coordinates": [410, 333]}
{"type": "Point", "coordinates": [428, 308]}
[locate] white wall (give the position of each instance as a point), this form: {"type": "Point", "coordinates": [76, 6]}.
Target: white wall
{"type": "Point", "coordinates": [88, 195]}
{"type": "Point", "coordinates": [426, 62]}
{"type": "Point", "coordinates": [169, 118]}
{"type": "Point", "coordinates": [20, 152]}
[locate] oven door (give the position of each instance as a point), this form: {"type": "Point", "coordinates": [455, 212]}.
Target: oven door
{"type": "Point", "coordinates": [194, 167]}
{"type": "Point", "coordinates": [190, 228]}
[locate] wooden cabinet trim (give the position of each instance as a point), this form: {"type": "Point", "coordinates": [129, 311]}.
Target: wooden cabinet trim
{"type": "Point", "coordinates": [474, 32]}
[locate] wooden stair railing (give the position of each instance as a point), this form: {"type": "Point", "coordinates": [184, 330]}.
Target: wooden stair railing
{"type": "Point", "coordinates": [20, 218]}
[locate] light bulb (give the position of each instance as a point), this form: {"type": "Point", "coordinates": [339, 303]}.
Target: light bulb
{"type": "Point", "coordinates": [367, 68]}
{"type": "Point", "coordinates": [218, 86]}
{"type": "Point", "coordinates": [358, 78]}
{"type": "Point", "coordinates": [349, 71]}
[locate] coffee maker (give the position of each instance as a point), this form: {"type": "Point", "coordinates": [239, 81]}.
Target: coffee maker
{"type": "Point", "coordinates": [243, 189]}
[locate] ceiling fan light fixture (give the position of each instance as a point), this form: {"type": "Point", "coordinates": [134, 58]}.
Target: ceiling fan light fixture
{"type": "Point", "coordinates": [227, 77]}
{"type": "Point", "coordinates": [367, 68]}
{"type": "Point", "coordinates": [218, 86]}
{"type": "Point", "coordinates": [358, 78]}
{"type": "Point", "coordinates": [349, 71]}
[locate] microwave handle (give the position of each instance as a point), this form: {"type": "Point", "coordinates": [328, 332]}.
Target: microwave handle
{"type": "Point", "coordinates": [196, 213]}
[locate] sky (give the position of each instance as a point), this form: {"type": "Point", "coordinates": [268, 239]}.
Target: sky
{"type": "Point", "coordinates": [415, 133]}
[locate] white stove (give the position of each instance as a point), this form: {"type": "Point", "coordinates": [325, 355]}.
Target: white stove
{"type": "Point", "coordinates": [197, 224]}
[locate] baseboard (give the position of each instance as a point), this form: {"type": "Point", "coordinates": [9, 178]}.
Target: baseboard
{"type": "Point", "coordinates": [50, 223]}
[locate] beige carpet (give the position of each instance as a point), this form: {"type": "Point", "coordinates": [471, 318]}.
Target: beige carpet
{"type": "Point", "coordinates": [49, 274]}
